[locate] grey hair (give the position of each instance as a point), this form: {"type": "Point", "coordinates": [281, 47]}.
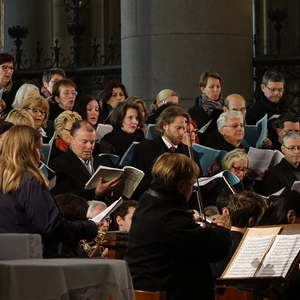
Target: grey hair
{"type": "Point", "coordinates": [290, 135]}
{"type": "Point", "coordinates": [92, 205]}
{"type": "Point", "coordinates": [221, 122]}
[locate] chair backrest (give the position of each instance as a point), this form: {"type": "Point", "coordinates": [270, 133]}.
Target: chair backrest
{"type": "Point", "coordinates": [113, 158]}
{"type": "Point", "coordinates": [20, 246]}
{"type": "Point", "coordinates": [147, 295]}
{"type": "Point", "coordinates": [126, 159]}
{"type": "Point", "coordinates": [150, 133]}
{"type": "Point", "coordinates": [46, 150]}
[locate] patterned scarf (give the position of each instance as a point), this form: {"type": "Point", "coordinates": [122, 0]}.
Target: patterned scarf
{"type": "Point", "coordinates": [210, 105]}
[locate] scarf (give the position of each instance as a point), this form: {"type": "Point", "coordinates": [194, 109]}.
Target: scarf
{"type": "Point", "coordinates": [61, 145]}
{"type": "Point", "coordinates": [210, 105]}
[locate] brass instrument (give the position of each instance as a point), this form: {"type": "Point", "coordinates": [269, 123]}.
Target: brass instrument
{"type": "Point", "coordinates": [93, 248]}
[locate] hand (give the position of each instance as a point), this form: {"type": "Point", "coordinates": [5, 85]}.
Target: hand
{"type": "Point", "coordinates": [105, 187]}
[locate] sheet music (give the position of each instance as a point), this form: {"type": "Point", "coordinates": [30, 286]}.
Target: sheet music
{"type": "Point", "coordinates": [249, 257]}
{"type": "Point", "coordinates": [259, 159]}
{"type": "Point", "coordinates": [280, 257]}
{"type": "Point", "coordinates": [204, 128]}
{"type": "Point", "coordinates": [205, 180]}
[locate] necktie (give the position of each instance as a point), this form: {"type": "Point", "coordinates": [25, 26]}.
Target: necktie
{"type": "Point", "coordinates": [172, 149]}
{"type": "Point", "coordinates": [87, 165]}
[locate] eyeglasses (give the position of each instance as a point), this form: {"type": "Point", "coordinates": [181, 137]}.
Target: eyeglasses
{"type": "Point", "coordinates": [36, 110]}
{"type": "Point", "coordinates": [235, 126]}
{"type": "Point", "coordinates": [273, 90]}
{"type": "Point", "coordinates": [67, 93]}
{"type": "Point", "coordinates": [240, 169]}
{"type": "Point", "coordinates": [292, 148]}
{"type": "Point", "coordinates": [107, 220]}
{"type": "Point", "coordinates": [5, 68]}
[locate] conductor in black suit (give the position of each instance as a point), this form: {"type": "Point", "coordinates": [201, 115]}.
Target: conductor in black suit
{"type": "Point", "coordinates": [75, 167]}
{"type": "Point", "coordinates": [171, 127]}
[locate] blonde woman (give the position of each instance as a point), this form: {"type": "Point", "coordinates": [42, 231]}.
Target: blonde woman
{"type": "Point", "coordinates": [20, 117]}
{"type": "Point", "coordinates": [25, 91]}
{"type": "Point", "coordinates": [25, 202]}
{"type": "Point", "coordinates": [63, 124]}
{"type": "Point", "coordinates": [38, 107]}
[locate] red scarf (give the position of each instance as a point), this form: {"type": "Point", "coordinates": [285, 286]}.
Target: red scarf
{"type": "Point", "coordinates": [61, 144]}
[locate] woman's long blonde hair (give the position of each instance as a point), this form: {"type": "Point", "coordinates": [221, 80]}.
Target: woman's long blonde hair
{"type": "Point", "coordinates": [18, 156]}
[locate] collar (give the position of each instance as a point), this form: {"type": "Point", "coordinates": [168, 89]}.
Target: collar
{"type": "Point", "coordinates": [168, 144]}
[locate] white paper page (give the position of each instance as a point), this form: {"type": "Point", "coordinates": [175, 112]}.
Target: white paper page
{"type": "Point", "coordinates": [280, 257]}
{"type": "Point", "coordinates": [107, 211]}
{"type": "Point", "coordinates": [205, 180]}
{"type": "Point", "coordinates": [203, 128]}
{"type": "Point", "coordinates": [249, 257]}
{"type": "Point", "coordinates": [259, 159]}
{"type": "Point", "coordinates": [278, 193]}
{"type": "Point", "coordinates": [102, 130]}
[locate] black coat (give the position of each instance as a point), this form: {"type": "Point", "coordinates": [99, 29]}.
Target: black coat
{"type": "Point", "coordinates": [145, 155]}
{"type": "Point", "coordinates": [279, 176]}
{"type": "Point", "coordinates": [261, 107]}
{"type": "Point", "coordinates": [168, 251]}
{"type": "Point", "coordinates": [31, 209]}
{"type": "Point", "coordinates": [72, 175]}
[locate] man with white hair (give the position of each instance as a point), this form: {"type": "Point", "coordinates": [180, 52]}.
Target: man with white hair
{"type": "Point", "coordinates": [231, 128]}
{"type": "Point", "coordinates": [95, 208]}
{"type": "Point", "coordinates": [288, 170]}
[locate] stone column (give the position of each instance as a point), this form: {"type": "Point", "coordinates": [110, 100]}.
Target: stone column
{"type": "Point", "coordinates": [168, 44]}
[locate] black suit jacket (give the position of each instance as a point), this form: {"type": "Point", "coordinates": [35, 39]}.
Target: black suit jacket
{"type": "Point", "coordinates": [145, 155]}
{"type": "Point", "coordinates": [71, 175]}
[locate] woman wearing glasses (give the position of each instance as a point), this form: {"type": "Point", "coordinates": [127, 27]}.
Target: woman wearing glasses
{"type": "Point", "coordinates": [38, 107]}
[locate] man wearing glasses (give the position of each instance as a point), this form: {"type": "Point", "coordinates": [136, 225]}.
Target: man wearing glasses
{"type": "Point", "coordinates": [272, 88]}
{"type": "Point", "coordinates": [288, 170]}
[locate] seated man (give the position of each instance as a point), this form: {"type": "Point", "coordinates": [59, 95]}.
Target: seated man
{"type": "Point", "coordinates": [288, 170]}
{"type": "Point", "coordinates": [272, 88]}
{"type": "Point", "coordinates": [123, 215]}
{"type": "Point", "coordinates": [95, 208]}
{"type": "Point", "coordinates": [171, 126]}
{"type": "Point", "coordinates": [231, 129]}
{"type": "Point", "coordinates": [75, 167]}
{"type": "Point", "coordinates": [245, 210]}
{"type": "Point", "coordinates": [235, 102]}
{"type": "Point", "coordinates": [284, 124]}
{"type": "Point", "coordinates": [50, 77]}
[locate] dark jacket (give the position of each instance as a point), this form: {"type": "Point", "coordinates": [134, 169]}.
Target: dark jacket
{"type": "Point", "coordinates": [279, 176]}
{"type": "Point", "coordinates": [168, 251]}
{"type": "Point", "coordinates": [121, 140]}
{"type": "Point", "coordinates": [31, 209]}
{"type": "Point", "coordinates": [261, 107]}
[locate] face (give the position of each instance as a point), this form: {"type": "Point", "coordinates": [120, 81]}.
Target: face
{"type": "Point", "coordinates": [239, 169]}
{"type": "Point", "coordinates": [288, 126]}
{"type": "Point", "coordinates": [6, 72]}
{"type": "Point", "coordinates": [92, 112]}
{"type": "Point", "coordinates": [130, 121]}
{"type": "Point", "coordinates": [291, 151]}
{"type": "Point", "coordinates": [65, 133]}
{"type": "Point", "coordinates": [212, 89]}
{"type": "Point", "coordinates": [190, 137]}
{"type": "Point", "coordinates": [174, 132]}
{"type": "Point", "coordinates": [117, 96]}
{"type": "Point", "coordinates": [55, 78]}
{"type": "Point", "coordinates": [237, 104]}
{"type": "Point", "coordinates": [38, 114]}
{"type": "Point", "coordinates": [125, 223]}
{"type": "Point", "coordinates": [273, 90]}
{"type": "Point", "coordinates": [82, 144]}
{"type": "Point", "coordinates": [67, 96]}
{"type": "Point", "coordinates": [233, 132]}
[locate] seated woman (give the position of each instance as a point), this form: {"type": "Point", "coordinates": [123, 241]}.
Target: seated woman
{"type": "Point", "coordinates": [63, 124]}
{"type": "Point", "coordinates": [126, 119]}
{"type": "Point", "coordinates": [38, 107]}
{"type": "Point", "coordinates": [166, 248]}
{"type": "Point", "coordinates": [209, 104]}
{"type": "Point", "coordinates": [191, 135]}
{"type": "Point", "coordinates": [25, 91]}
{"type": "Point", "coordinates": [26, 205]}
{"type": "Point", "coordinates": [114, 92]}
{"type": "Point", "coordinates": [19, 116]}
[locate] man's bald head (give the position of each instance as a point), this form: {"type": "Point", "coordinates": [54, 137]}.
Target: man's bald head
{"type": "Point", "coordinates": [235, 102]}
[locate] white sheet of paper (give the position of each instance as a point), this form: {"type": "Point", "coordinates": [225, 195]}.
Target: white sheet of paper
{"type": "Point", "coordinates": [249, 257]}
{"type": "Point", "coordinates": [280, 257]}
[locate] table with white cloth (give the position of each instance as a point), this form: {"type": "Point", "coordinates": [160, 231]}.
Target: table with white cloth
{"type": "Point", "coordinates": [65, 279]}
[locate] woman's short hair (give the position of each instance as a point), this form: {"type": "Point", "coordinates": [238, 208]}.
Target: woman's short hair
{"type": "Point", "coordinates": [171, 168]}
{"type": "Point", "coordinates": [64, 117]}
{"type": "Point", "coordinates": [108, 89]}
{"type": "Point", "coordinates": [233, 156]}
{"type": "Point", "coordinates": [63, 82]}
{"type": "Point", "coordinates": [120, 111]}
{"type": "Point", "coordinates": [19, 116]}
{"type": "Point", "coordinates": [81, 104]}
{"type": "Point", "coordinates": [142, 103]}
{"type": "Point", "coordinates": [23, 92]}
{"type": "Point", "coordinates": [19, 156]}
{"type": "Point", "coordinates": [168, 116]}
{"type": "Point", "coordinates": [6, 57]}
{"type": "Point", "coordinates": [38, 102]}
{"type": "Point", "coordinates": [204, 78]}
{"type": "Point", "coordinates": [164, 94]}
